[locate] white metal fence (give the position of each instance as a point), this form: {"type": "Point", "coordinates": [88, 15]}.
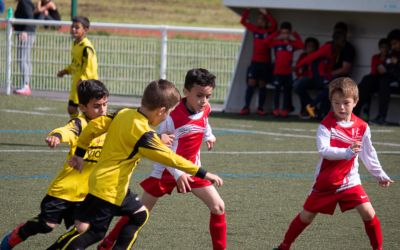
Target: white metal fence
{"type": "Point", "coordinates": [126, 62]}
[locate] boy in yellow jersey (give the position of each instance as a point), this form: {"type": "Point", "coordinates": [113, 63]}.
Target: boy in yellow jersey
{"type": "Point", "coordinates": [84, 61]}
{"type": "Point", "coordinates": [69, 188]}
{"type": "Point", "coordinates": [129, 138]}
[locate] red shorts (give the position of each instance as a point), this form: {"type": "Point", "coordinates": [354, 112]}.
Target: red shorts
{"type": "Point", "coordinates": [325, 203]}
{"type": "Point", "coordinates": [159, 187]}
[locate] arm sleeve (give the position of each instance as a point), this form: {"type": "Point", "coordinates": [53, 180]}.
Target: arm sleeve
{"type": "Point", "coordinates": [95, 128]}
{"type": "Point", "coordinates": [272, 23]}
{"type": "Point", "coordinates": [324, 51]}
{"type": "Point", "coordinates": [369, 157]}
{"type": "Point", "coordinates": [298, 43]}
{"type": "Point", "coordinates": [89, 67]}
{"type": "Point", "coordinates": [327, 151]}
{"type": "Point", "coordinates": [269, 40]}
{"type": "Point", "coordinates": [208, 134]}
{"type": "Point", "coordinates": [70, 132]}
{"type": "Point", "coordinates": [151, 147]}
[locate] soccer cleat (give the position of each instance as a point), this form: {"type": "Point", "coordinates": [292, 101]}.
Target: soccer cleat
{"type": "Point", "coordinates": [261, 112]}
{"type": "Point", "coordinates": [311, 111]}
{"type": "Point", "coordinates": [26, 90]}
{"type": "Point", "coordinates": [244, 111]}
{"type": "Point", "coordinates": [284, 113]}
{"type": "Point", "coordinates": [276, 112]}
{"type": "Point", "coordinates": [106, 244]}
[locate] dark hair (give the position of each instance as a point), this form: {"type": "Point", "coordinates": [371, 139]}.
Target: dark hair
{"type": "Point", "coordinates": [286, 26]}
{"type": "Point", "coordinates": [312, 40]}
{"type": "Point", "coordinates": [82, 20]}
{"type": "Point", "coordinates": [383, 41]}
{"type": "Point", "coordinates": [91, 89]}
{"type": "Point", "coordinates": [345, 86]}
{"type": "Point", "coordinates": [200, 77]}
{"type": "Point", "coordinates": [160, 93]}
{"type": "Point", "coordinates": [394, 35]}
{"type": "Point", "coordinates": [340, 26]}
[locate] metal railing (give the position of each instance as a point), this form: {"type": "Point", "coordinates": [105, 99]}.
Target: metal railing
{"type": "Point", "coordinates": [127, 61]}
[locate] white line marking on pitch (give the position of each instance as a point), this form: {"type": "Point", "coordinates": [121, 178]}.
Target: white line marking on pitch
{"type": "Point", "coordinates": [31, 112]}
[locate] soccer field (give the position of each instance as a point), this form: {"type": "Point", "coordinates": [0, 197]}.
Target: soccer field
{"type": "Point", "coordinates": [267, 165]}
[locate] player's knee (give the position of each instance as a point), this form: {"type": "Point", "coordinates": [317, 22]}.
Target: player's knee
{"type": "Point", "coordinates": [140, 218]}
{"type": "Point", "coordinates": [252, 82]}
{"type": "Point", "coordinates": [81, 226]}
{"type": "Point", "coordinates": [218, 208]}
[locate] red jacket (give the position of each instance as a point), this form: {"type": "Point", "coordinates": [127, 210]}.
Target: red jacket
{"type": "Point", "coordinates": [283, 52]}
{"type": "Point", "coordinates": [261, 53]}
{"type": "Point", "coordinates": [375, 62]}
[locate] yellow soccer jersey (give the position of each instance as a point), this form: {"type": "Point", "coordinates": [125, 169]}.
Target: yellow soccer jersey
{"type": "Point", "coordinates": [129, 138]}
{"type": "Point", "coordinates": [69, 184]}
{"type": "Point", "coordinates": [83, 65]}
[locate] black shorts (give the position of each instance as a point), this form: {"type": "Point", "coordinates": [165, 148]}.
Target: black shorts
{"type": "Point", "coordinates": [99, 213]}
{"type": "Point", "coordinates": [54, 210]}
{"type": "Point", "coordinates": [260, 71]}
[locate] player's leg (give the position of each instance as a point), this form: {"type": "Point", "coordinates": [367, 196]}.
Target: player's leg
{"type": "Point", "coordinates": [51, 214]}
{"type": "Point", "coordinates": [372, 225]}
{"type": "Point", "coordinates": [296, 227]}
{"type": "Point", "coordinates": [73, 101]}
{"type": "Point", "coordinates": [137, 217]}
{"type": "Point", "coordinates": [251, 86]}
{"type": "Point", "coordinates": [214, 202]}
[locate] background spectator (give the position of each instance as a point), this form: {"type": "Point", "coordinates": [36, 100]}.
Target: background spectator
{"type": "Point", "coordinates": [370, 83]}
{"type": "Point", "coordinates": [26, 37]}
{"type": "Point", "coordinates": [46, 10]}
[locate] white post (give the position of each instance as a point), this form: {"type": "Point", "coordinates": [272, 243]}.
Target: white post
{"type": "Point", "coordinates": [163, 59]}
{"type": "Point", "coordinates": [8, 51]}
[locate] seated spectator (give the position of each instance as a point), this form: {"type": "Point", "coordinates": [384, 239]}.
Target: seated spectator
{"type": "Point", "coordinates": [310, 76]}
{"type": "Point", "coordinates": [389, 82]}
{"type": "Point", "coordinates": [370, 83]}
{"type": "Point", "coordinates": [46, 10]}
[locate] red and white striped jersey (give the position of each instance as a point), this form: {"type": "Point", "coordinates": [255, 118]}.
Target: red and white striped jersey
{"type": "Point", "coordinates": [190, 131]}
{"type": "Point", "coordinates": [338, 168]}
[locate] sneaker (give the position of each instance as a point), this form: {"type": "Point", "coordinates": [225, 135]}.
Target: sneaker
{"type": "Point", "coordinates": [4, 243]}
{"type": "Point", "coordinates": [276, 112]}
{"type": "Point", "coordinates": [261, 112]}
{"type": "Point", "coordinates": [26, 90]}
{"type": "Point", "coordinates": [311, 110]}
{"type": "Point", "coordinates": [284, 113]}
{"type": "Point", "coordinates": [106, 244]}
{"type": "Point", "coordinates": [244, 111]}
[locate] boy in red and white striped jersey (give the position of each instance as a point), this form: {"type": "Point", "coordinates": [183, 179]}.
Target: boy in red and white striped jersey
{"type": "Point", "coordinates": [342, 137]}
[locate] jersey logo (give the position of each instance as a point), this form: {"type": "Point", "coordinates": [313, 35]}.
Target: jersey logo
{"type": "Point", "coordinates": [355, 133]}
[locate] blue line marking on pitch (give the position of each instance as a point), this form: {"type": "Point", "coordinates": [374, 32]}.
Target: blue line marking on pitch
{"type": "Point", "coordinates": [24, 131]}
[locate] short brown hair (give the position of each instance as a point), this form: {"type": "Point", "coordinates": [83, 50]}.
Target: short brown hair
{"type": "Point", "coordinates": [345, 86]}
{"type": "Point", "coordinates": [160, 93]}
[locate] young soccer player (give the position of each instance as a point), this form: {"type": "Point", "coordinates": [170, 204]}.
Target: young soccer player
{"type": "Point", "coordinates": [260, 70]}
{"type": "Point", "coordinates": [84, 61]}
{"type": "Point", "coordinates": [70, 187]}
{"type": "Point", "coordinates": [189, 125]}
{"type": "Point", "coordinates": [129, 138]}
{"type": "Point", "coordinates": [283, 42]}
{"type": "Point", "coordinates": [342, 137]}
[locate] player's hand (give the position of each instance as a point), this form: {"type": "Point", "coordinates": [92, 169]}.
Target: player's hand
{"type": "Point", "coordinates": [76, 162]}
{"type": "Point", "coordinates": [61, 73]}
{"type": "Point", "coordinates": [385, 183]}
{"type": "Point", "coordinates": [183, 183]}
{"type": "Point", "coordinates": [356, 147]}
{"type": "Point", "coordinates": [168, 139]}
{"type": "Point", "coordinates": [211, 142]}
{"type": "Point", "coordinates": [215, 179]}
{"type": "Point", "coordinates": [52, 141]}
{"type": "Point", "coordinates": [263, 11]}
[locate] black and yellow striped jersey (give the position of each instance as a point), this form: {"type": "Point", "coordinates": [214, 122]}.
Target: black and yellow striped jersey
{"type": "Point", "coordinates": [69, 184]}
{"type": "Point", "coordinates": [129, 138]}
{"type": "Point", "coordinates": [83, 61]}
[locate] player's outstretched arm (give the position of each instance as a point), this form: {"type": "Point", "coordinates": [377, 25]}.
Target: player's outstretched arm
{"type": "Point", "coordinates": [52, 141]}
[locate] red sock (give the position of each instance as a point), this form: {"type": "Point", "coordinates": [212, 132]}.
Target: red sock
{"type": "Point", "coordinates": [373, 229]}
{"type": "Point", "coordinates": [294, 230]}
{"type": "Point", "coordinates": [113, 235]}
{"type": "Point", "coordinates": [14, 238]}
{"type": "Point", "coordinates": [218, 231]}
